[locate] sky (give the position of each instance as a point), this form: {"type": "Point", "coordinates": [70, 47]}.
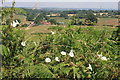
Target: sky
{"type": "Point", "coordinates": [101, 4]}
{"type": "Point", "coordinates": [63, 0]}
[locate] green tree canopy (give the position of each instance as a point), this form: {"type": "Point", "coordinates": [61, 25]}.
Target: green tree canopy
{"type": "Point", "coordinates": [91, 18]}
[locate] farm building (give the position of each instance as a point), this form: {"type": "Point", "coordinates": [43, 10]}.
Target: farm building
{"type": "Point", "coordinates": [71, 14]}
{"type": "Point", "coordinates": [101, 14]}
{"type": "Point", "coordinates": [53, 15]}
{"type": "Point", "coordinates": [45, 23]}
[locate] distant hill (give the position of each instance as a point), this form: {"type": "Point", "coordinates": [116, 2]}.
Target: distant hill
{"type": "Point", "coordinates": [21, 17]}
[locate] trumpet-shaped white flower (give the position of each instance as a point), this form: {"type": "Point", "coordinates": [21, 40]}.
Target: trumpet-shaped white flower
{"type": "Point", "coordinates": [63, 53]}
{"type": "Point", "coordinates": [71, 54]}
{"type": "Point", "coordinates": [14, 23]}
{"type": "Point", "coordinates": [57, 59]}
{"type": "Point", "coordinates": [103, 58]}
{"type": "Point", "coordinates": [99, 55]}
{"type": "Point", "coordinates": [23, 43]}
{"type": "Point", "coordinates": [90, 67]}
{"type": "Point", "coordinates": [35, 43]}
{"type": "Point", "coordinates": [52, 32]}
{"type": "Point", "coordinates": [47, 60]}
{"type": "Point", "coordinates": [17, 22]}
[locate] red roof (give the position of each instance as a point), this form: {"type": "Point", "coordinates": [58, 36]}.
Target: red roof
{"type": "Point", "coordinates": [46, 23]}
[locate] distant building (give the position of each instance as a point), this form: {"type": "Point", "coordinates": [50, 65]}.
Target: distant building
{"type": "Point", "coordinates": [54, 15]}
{"type": "Point", "coordinates": [95, 14]}
{"type": "Point", "coordinates": [71, 14]}
{"type": "Point", "coordinates": [117, 15]}
{"type": "Point", "coordinates": [101, 14]}
{"type": "Point", "coordinates": [48, 15]}
{"type": "Point", "coordinates": [46, 23]}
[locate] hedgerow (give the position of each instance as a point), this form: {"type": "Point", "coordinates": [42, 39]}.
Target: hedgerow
{"type": "Point", "coordinates": [68, 52]}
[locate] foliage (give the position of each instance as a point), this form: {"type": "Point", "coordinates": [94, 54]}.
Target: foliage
{"type": "Point", "coordinates": [42, 17]}
{"type": "Point", "coordinates": [52, 21]}
{"type": "Point", "coordinates": [11, 43]}
{"type": "Point", "coordinates": [38, 71]}
{"type": "Point", "coordinates": [24, 25]}
{"type": "Point", "coordinates": [6, 11]}
{"type": "Point", "coordinates": [86, 43]}
{"type": "Point", "coordinates": [8, 21]}
{"type": "Point", "coordinates": [76, 21]}
{"type": "Point", "coordinates": [64, 15]}
{"type": "Point", "coordinates": [27, 59]}
{"type": "Point", "coordinates": [116, 36]}
{"type": "Point", "coordinates": [91, 19]}
{"type": "Point", "coordinates": [16, 10]}
{"type": "Point", "coordinates": [30, 16]}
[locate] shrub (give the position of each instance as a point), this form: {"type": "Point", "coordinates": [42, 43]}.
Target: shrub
{"type": "Point", "coordinates": [24, 25]}
{"type": "Point", "coordinates": [11, 43]}
{"type": "Point", "coordinates": [95, 55]}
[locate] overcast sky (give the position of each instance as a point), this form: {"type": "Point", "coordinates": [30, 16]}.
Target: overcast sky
{"type": "Point", "coordinates": [63, 0]}
{"type": "Point", "coordinates": [101, 4]}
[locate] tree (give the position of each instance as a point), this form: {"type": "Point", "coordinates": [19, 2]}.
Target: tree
{"type": "Point", "coordinates": [30, 16]}
{"type": "Point", "coordinates": [52, 21]}
{"type": "Point", "coordinates": [11, 11]}
{"type": "Point", "coordinates": [91, 19]}
{"type": "Point", "coordinates": [40, 18]}
{"type": "Point", "coordinates": [76, 21]}
{"type": "Point", "coordinates": [63, 14]}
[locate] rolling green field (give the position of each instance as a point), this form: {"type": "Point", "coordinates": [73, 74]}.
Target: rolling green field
{"type": "Point", "coordinates": [61, 19]}
{"type": "Point", "coordinates": [107, 21]}
{"type": "Point", "coordinates": [21, 17]}
{"type": "Point", "coordinates": [30, 32]}
{"type": "Point", "coordinates": [101, 21]}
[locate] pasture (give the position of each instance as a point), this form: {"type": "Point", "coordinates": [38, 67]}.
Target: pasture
{"type": "Point", "coordinates": [32, 33]}
{"type": "Point", "coordinates": [101, 21]}
{"type": "Point", "coordinates": [107, 21]}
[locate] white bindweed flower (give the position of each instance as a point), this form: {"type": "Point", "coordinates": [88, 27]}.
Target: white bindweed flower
{"type": "Point", "coordinates": [17, 22]}
{"type": "Point", "coordinates": [99, 55]}
{"type": "Point", "coordinates": [71, 54]}
{"type": "Point", "coordinates": [52, 32]}
{"type": "Point", "coordinates": [14, 23]}
{"type": "Point", "coordinates": [90, 67]}
{"type": "Point", "coordinates": [63, 53]}
{"type": "Point", "coordinates": [47, 60]}
{"type": "Point", "coordinates": [35, 43]}
{"type": "Point", "coordinates": [23, 43]}
{"type": "Point", "coordinates": [57, 59]}
{"type": "Point", "coordinates": [103, 58]}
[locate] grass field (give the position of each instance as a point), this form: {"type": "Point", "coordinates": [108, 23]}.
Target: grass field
{"type": "Point", "coordinates": [21, 17]}
{"type": "Point", "coordinates": [31, 32]}
{"type": "Point", "coordinates": [107, 21]}
{"type": "Point", "coordinates": [101, 21]}
{"type": "Point", "coordinates": [61, 19]}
